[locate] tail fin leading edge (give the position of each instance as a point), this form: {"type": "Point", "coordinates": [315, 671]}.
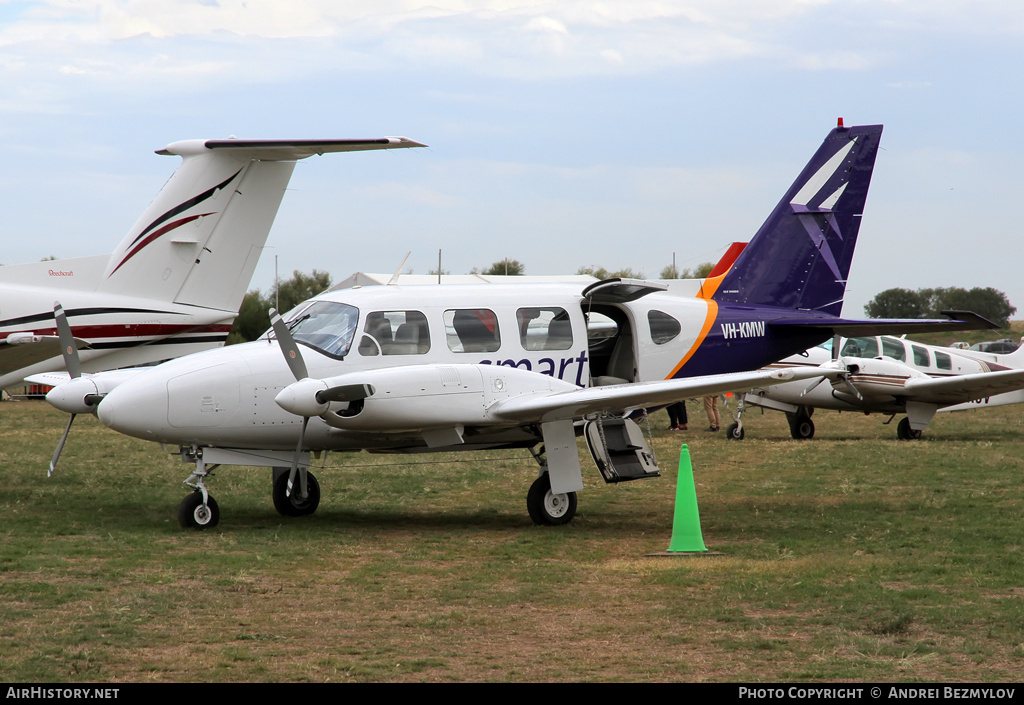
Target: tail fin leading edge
{"type": "Point", "coordinates": [800, 257]}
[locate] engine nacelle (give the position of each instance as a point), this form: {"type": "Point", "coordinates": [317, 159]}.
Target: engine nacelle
{"type": "Point", "coordinates": [876, 378]}
{"type": "Point", "coordinates": [418, 397]}
{"type": "Point", "coordinates": [82, 394]}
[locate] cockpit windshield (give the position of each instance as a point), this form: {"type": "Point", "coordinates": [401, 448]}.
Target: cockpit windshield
{"type": "Point", "coordinates": [326, 326]}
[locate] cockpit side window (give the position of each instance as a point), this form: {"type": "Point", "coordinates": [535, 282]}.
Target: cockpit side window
{"type": "Point", "coordinates": [860, 347]}
{"type": "Point", "coordinates": [326, 326]}
{"type": "Point", "coordinates": [395, 333]}
{"type": "Point", "coordinates": [544, 328]}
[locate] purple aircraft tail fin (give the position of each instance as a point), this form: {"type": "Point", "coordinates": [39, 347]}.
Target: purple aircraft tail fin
{"type": "Point", "coordinates": [800, 257]}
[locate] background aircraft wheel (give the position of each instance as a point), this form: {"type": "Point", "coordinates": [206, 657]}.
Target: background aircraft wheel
{"type": "Point", "coordinates": [193, 514]}
{"type": "Point", "coordinates": [291, 506]}
{"type": "Point", "coordinates": [548, 508]}
{"type": "Point", "coordinates": [801, 427]}
{"type": "Point", "coordinates": [733, 432]}
{"type": "Point", "coordinates": [905, 433]}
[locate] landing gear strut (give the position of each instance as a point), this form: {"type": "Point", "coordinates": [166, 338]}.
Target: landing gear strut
{"type": "Point", "coordinates": [734, 431]}
{"type": "Point", "coordinates": [198, 510]}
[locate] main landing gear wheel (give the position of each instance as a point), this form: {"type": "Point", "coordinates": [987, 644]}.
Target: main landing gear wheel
{"type": "Point", "coordinates": [801, 427]}
{"type": "Point", "coordinates": [292, 506]}
{"type": "Point", "coordinates": [734, 432]}
{"type": "Point", "coordinates": [548, 508]}
{"type": "Point", "coordinates": [905, 433]}
{"type": "Point", "coordinates": [193, 514]}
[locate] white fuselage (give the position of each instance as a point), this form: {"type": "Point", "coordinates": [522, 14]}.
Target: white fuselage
{"type": "Point", "coordinates": [227, 397]}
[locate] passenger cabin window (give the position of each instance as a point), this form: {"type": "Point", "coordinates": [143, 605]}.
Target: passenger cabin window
{"type": "Point", "coordinates": [326, 326]}
{"type": "Point", "coordinates": [395, 333]}
{"type": "Point", "coordinates": [943, 361]}
{"type": "Point", "coordinates": [663, 327]}
{"type": "Point", "coordinates": [472, 330]}
{"type": "Point", "coordinates": [893, 347]}
{"type": "Point", "coordinates": [544, 328]}
{"type": "Point", "coordinates": [860, 347]}
{"type": "Point", "coordinates": [921, 357]}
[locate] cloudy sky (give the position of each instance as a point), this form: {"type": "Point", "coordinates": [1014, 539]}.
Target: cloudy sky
{"type": "Point", "coordinates": [563, 134]}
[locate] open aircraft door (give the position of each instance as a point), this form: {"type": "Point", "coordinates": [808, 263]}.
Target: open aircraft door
{"type": "Point", "coordinates": [613, 357]}
{"type": "Point", "coordinates": [617, 444]}
{"type": "Point", "coordinates": [619, 450]}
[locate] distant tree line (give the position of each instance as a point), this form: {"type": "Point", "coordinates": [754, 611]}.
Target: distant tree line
{"type": "Point", "coordinates": [930, 303]}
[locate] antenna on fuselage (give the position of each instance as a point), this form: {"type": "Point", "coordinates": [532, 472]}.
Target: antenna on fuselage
{"type": "Point", "coordinates": [398, 272]}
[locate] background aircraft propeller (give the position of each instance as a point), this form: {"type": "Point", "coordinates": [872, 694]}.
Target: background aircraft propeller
{"type": "Point", "coordinates": [843, 376]}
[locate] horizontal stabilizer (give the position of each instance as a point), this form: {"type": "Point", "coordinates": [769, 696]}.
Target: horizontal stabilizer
{"type": "Point", "coordinates": [854, 328]}
{"type": "Point", "coordinates": [288, 150]}
{"type": "Point", "coordinates": [22, 350]}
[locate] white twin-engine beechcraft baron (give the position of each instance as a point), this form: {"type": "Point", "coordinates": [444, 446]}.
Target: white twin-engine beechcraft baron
{"type": "Point", "coordinates": [412, 369]}
{"type": "Point", "coordinates": [174, 284]}
{"type": "Point", "coordinates": [887, 375]}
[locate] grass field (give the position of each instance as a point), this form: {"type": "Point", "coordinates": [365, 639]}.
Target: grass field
{"type": "Point", "coordinates": [849, 557]}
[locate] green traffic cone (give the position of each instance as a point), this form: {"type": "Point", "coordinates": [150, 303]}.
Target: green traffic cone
{"type": "Point", "coordinates": [686, 534]}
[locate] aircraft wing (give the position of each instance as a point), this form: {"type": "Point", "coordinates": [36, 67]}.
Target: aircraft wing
{"type": "Point", "coordinates": [49, 379]}
{"type": "Point", "coordinates": [962, 388]}
{"type": "Point", "coordinates": [854, 328]}
{"type": "Point", "coordinates": [620, 397]}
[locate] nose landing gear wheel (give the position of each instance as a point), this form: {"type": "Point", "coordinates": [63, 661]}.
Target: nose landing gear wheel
{"type": "Point", "coordinates": [193, 514]}
{"type": "Point", "coordinates": [547, 507]}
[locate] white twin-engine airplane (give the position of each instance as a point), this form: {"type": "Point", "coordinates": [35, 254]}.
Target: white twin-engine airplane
{"type": "Point", "coordinates": [886, 375]}
{"type": "Point", "coordinates": [412, 369]}
{"type": "Point", "coordinates": [174, 284]}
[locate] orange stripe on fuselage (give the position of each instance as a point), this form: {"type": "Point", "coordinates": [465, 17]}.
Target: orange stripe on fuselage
{"type": "Point", "coordinates": [709, 321]}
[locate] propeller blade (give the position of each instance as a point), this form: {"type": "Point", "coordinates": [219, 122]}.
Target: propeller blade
{"type": "Point", "coordinates": [289, 347]}
{"type": "Point", "coordinates": [814, 384]}
{"type": "Point", "coordinates": [345, 392]}
{"type": "Point", "coordinates": [67, 342]}
{"type": "Point", "coordinates": [295, 464]}
{"type": "Point", "coordinates": [60, 447]}
{"type": "Point", "coordinates": [853, 390]}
